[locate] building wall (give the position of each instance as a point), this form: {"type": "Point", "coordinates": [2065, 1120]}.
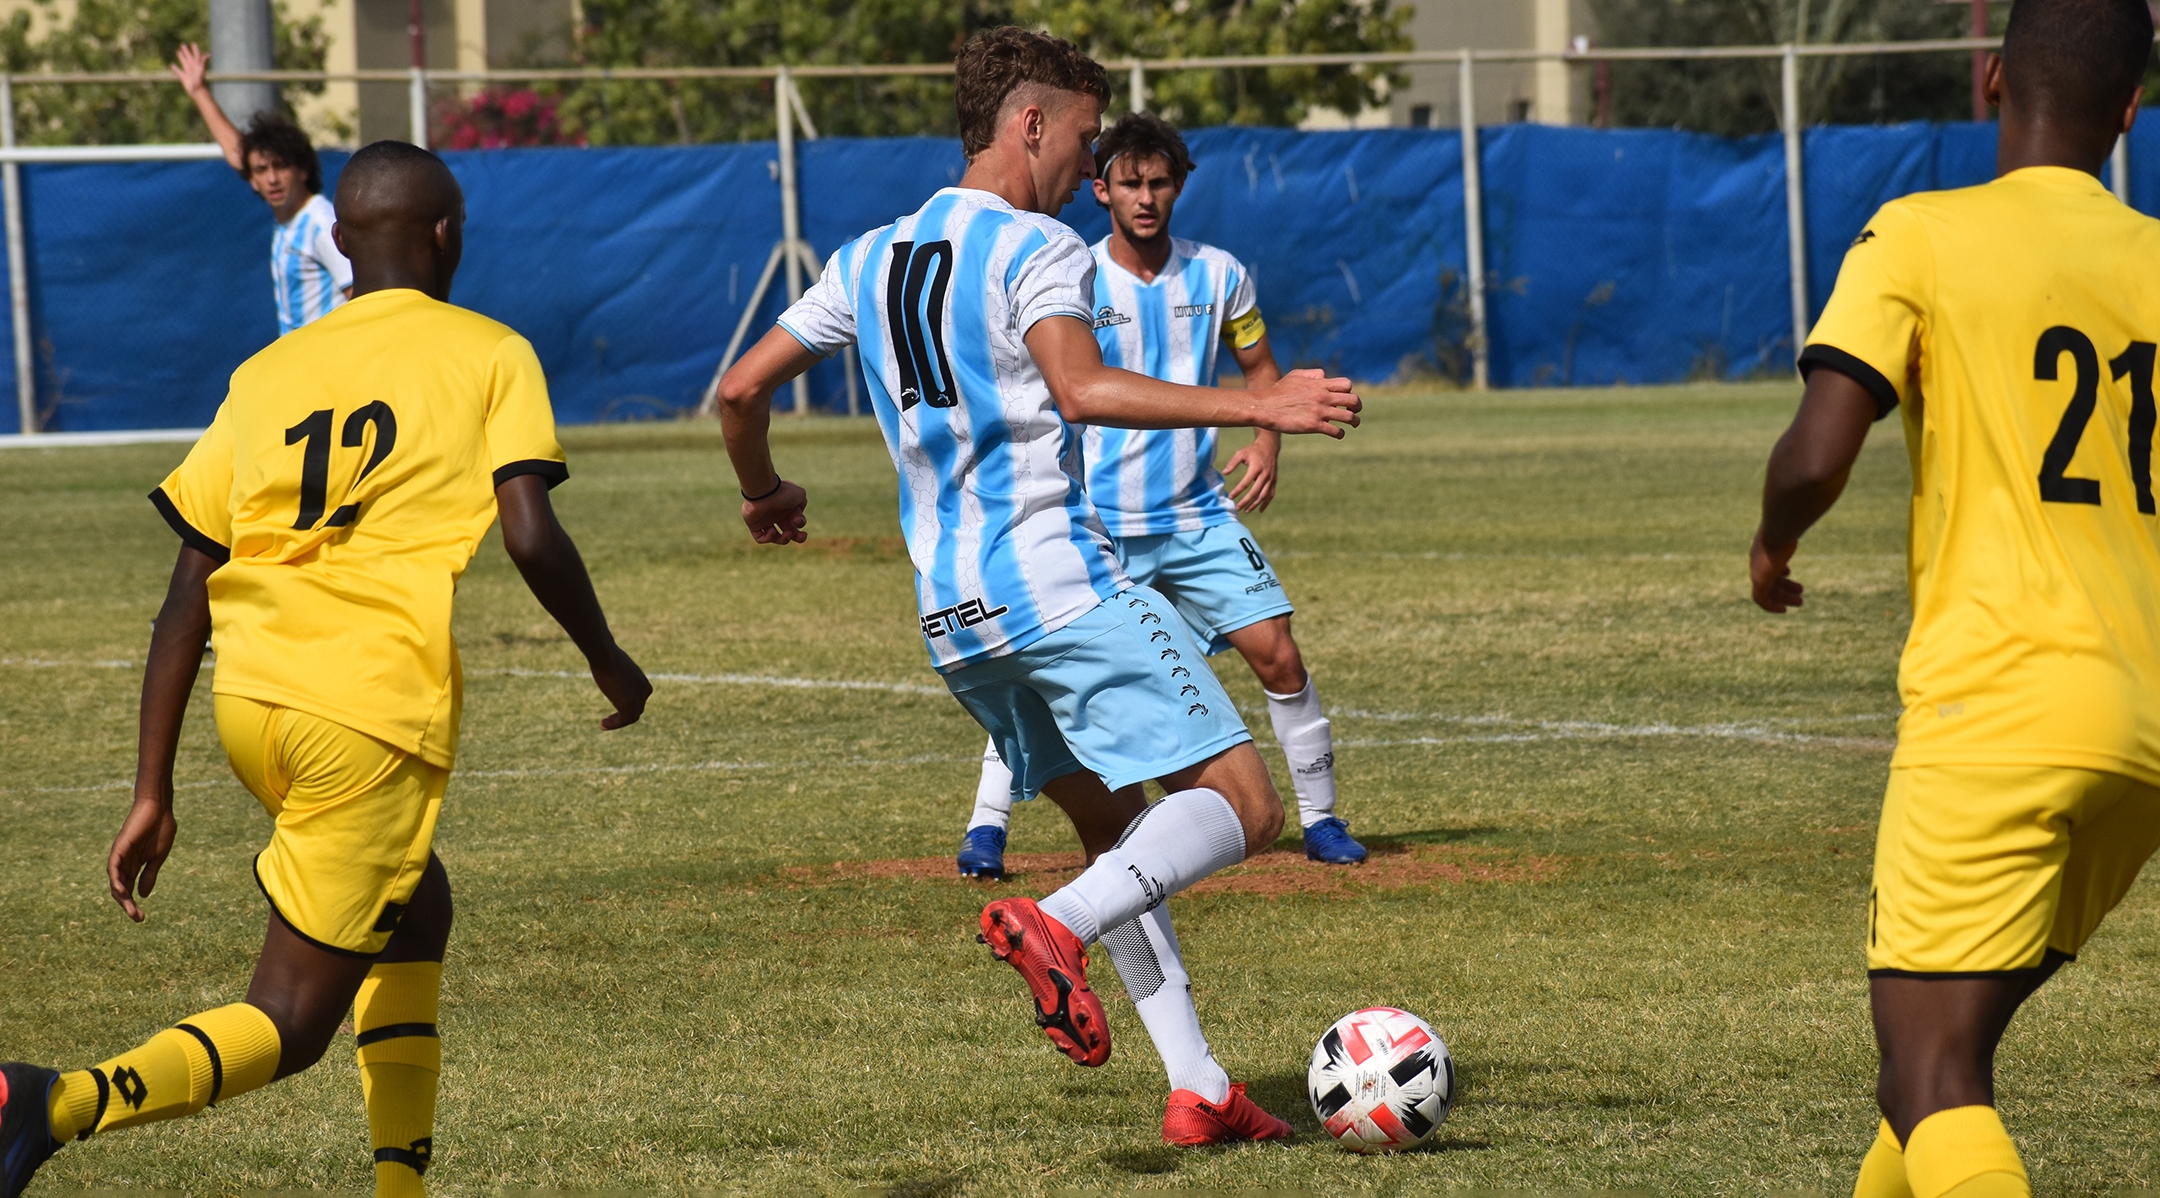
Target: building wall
{"type": "Point", "coordinates": [1552, 93]}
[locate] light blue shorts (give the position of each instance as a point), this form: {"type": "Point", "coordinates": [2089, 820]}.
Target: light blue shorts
{"type": "Point", "coordinates": [1123, 691]}
{"type": "Point", "coordinates": [1217, 578]}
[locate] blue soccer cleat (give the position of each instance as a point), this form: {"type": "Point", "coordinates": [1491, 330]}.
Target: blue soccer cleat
{"type": "Point", "coordinates": [25, 1125]}
{"type": "Point", "coordinates": [1329, 841]}
{"type": "Point", "coordinates": [982, 854]}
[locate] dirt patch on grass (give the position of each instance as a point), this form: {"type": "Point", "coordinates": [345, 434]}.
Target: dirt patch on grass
{"type": "Point", "coordinates": [1271, 874]}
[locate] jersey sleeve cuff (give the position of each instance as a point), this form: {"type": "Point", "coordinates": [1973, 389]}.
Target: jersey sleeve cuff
{"type": "Point", "coordinates": [190, 535]}
{"type": "Point", "coordinates": [805, 341]}
{"type": "Point", "coordinates": [1869, 378]}
{"type": "Point", "coordinates": [554, 472]}
{"type": "Point", "coordinates": [1029, 320]}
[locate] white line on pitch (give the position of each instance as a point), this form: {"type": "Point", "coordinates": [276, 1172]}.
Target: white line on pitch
{"type": "Point", "coordinates": [569, 771]}
{"type": "Point", "coordinates": [838, 684]}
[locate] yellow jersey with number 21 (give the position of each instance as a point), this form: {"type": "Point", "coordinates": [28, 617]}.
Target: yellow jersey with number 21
{"type": "Point", "coordinates": [345, 484]}
{"type": "Point", "coordinates": [2016, 323]}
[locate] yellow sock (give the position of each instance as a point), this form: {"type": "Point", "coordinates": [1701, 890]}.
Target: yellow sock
{"type": "Point", "coordinates": [1882, 1174]}
{"type": "Point", "coordinates": [203, 1059]}
{"type": "Point", "coordinates": [1965, 1152]}
{"type": "Point", "coordinates": [400, 1058]}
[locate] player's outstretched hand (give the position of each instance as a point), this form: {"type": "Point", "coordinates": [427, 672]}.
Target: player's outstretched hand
{"type": "Point", "coordinates": [1256, 488]}
{"type": "Point", "coordinates": [1307, 401]}
{"type": "Point", "coordinates": [189, 66]}
{"type": "Point", "coordinates": [624, 685]}
{"type": "Point", "coordinates": [146, 837]}
{"type": "Point", "coordinates": [1770, 576]}
{"type": "Point", "coordinates": [778, 519]}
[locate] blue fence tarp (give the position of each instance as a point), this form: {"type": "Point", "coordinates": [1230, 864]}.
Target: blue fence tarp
{"type": "Point", "coordinates": [1624, 256]}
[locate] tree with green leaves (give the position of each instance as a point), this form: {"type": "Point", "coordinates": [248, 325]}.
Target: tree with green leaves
{"type": "Point", "coordinates": [659, 33]}
{"type": "Point", "coordinates": [1739, 97]}
{"type": "Point", "coordinates": [124, 35]}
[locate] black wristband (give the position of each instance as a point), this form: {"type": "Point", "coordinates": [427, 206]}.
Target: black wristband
{"type": "Point", "coordinates": [749, 498]}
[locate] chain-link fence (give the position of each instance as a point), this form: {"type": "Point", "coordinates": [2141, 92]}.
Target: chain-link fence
{"type": "Point", "coordinates": [1512, 254]}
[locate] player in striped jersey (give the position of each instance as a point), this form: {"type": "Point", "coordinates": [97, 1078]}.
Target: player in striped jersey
{"type": "Point", "coordinates": [1164, 306]}
{"type": "Point", "coordinates": [973, 318]}
{"type": "Point", "coordinates": [309, 274]}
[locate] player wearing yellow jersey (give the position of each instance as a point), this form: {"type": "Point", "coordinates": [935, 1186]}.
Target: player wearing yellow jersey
{"type": "Point", "coordinates": [324, 519]}
{"type": "Point", "coordinates": [2015, 325]}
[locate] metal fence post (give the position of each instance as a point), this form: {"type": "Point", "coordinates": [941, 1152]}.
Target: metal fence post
{"type": "Point", "coordinates": [790, 217]}
{"type": "Point", "coordinates": [18, 270]}
{"type": "Point", "coordinates": [2119, 165]}
{"type": "Point", "coordinates": [1795, 196]}
{"type": "Point", "coordinates": [1473, 226]}
{"type": "Point", "coordinates": [1139, 86]}
{"type": "Point", "coordinates": [417, 103]}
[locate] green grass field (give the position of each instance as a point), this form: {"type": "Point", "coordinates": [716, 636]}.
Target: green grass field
{"type": "Point", "coordinates": [1623, 821]}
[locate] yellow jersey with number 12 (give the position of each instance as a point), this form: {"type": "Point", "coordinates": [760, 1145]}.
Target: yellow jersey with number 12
{"type": "Point", "coordinates": [2016, 323]}
{"type": "Point", "coordinates": [346, 482]}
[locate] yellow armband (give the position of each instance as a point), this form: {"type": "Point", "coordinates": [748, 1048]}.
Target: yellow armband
{"type": "Point", "coordinates": [1244, 332]}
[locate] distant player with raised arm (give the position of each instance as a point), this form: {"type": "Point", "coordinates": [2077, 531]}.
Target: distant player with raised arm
{"type": "Point", "coordinates": [2014, 324]}
{"type": "Point", "coordinates": [974, 319]}
{"type": "Point", "coordinates": [324, 519]}
{"type": "Point", "coordinates": [1164, 306]}
{"type": "Point", "coordinates": [309, 274]}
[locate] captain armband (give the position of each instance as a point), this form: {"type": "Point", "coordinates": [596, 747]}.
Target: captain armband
{"type": "Point", "coordinates": [1244, 332]}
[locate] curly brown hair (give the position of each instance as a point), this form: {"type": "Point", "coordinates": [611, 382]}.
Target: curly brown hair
{"type": "Point", "coordinates": [998, 62]}
{"type": "Point", "coordinates": [282, 143]}
{"type": "Point", "coordinates": [1141, 136]}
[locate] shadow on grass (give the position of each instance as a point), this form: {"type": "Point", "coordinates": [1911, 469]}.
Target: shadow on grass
{"type": "Point", "coordinates": [933, 1186]}
{"type": "Point", "coordinates": [1293, 839]}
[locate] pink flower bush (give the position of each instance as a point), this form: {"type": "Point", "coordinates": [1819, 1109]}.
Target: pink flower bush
{"type": "Point", "coordinates": [496, 118]}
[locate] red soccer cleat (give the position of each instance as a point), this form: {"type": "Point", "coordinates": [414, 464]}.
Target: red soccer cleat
{"type": "Point", "coordinates": [1054, 962]}
{"type": "Point", "coordinates": [1193, 1122]}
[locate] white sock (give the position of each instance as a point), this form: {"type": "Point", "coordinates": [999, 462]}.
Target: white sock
{"type": "Point", "coordinates": [993, 794]}
{"type": "Point", "coordinates": [1145, 952]}
{"type": "Point", "coordinates": [1166, 848]}
{"type": "Point", "coordinates": [1308, 741]}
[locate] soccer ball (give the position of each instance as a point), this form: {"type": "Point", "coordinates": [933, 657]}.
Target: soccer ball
{"type": "Point", "coordinates": [1381, 1080]}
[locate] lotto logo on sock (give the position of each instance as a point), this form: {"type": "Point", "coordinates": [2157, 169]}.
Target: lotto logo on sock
{"type": "Point", "coordinates": [1154, 890]}
{"type": "Point", "coordinates": [129, 1085]}
{"type": "Point", "coordinates": [1324, 764]}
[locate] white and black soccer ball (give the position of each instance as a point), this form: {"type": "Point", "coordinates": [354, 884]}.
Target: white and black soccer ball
{"type": "Point", "coordinates": [1381, 1080]}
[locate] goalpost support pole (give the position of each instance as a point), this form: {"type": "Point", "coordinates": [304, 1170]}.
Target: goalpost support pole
{"type": "Point", "coordinates": [1473, 225]}
{"type": "Point", "coordinates": [18, 270]}
{"type": "Point", "coordinates": [1795, 195]}
{"type": "Point", "coordinates": [790, 214]}
{"type": "Point", "coordinates": [2119, 167]}
{"type": "Point", "coordinates": [416, 107]}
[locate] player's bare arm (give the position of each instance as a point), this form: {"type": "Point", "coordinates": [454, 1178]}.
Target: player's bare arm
{"type": "Point", "coordinates": [1254, 489]}
{"type": "Point", "coordinates": [189, 65]}
{"type": "Point", "coordinates": [1807, 473]}
{"type": "Point", "coordinates": [555, 573]}
{"type": "Point", "coordinates": [176, 652]}
{"type": "Point", "coordinates": [1088, 392]}
{"type": "Point", "coordinates": [772, 506]}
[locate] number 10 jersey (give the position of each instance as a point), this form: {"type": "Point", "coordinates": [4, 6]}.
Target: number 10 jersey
{"type": "Point", "coordinates": [2016, 323]}
{"type": "Point", "coordinates": [347, 480]}
{"type": "Point", "coordinates": [1006, 546]}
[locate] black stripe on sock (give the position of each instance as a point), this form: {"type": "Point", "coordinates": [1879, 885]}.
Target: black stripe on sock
{"type": "Point", "coordinates": [1135, 960]}
{"type": "Point", "coordinates": [415, 1158]}
{"type": "Point", "coordinates": [217, 1063]}
{"type": "Point", "coordinates": [395, 1031]}
{"type": "Point", "coordinates": [104, 1095]}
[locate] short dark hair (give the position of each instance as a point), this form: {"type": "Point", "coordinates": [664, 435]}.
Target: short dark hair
{"type": "Point", "coordinates": [1140, 136]}
{"type": "Point", "coordinates": [283, 143]}
{"type": "Point", "coordinates": [2077, 60]}
{"type": "Point", "coordinates": [998, 62]}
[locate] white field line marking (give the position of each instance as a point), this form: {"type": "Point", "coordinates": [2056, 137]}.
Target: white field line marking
{"type": "Point", "coordinates": [838, 684]}
{"type": "Point", "coordinates": [574, 771]}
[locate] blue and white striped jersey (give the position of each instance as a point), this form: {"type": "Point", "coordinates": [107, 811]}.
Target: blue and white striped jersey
{"type": "Point", "coordinates": [309, 272]}
{"type": "Point", "coordinates": [1151, 481]}
{"type": "Point", "coordinates": [1007, 548]}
